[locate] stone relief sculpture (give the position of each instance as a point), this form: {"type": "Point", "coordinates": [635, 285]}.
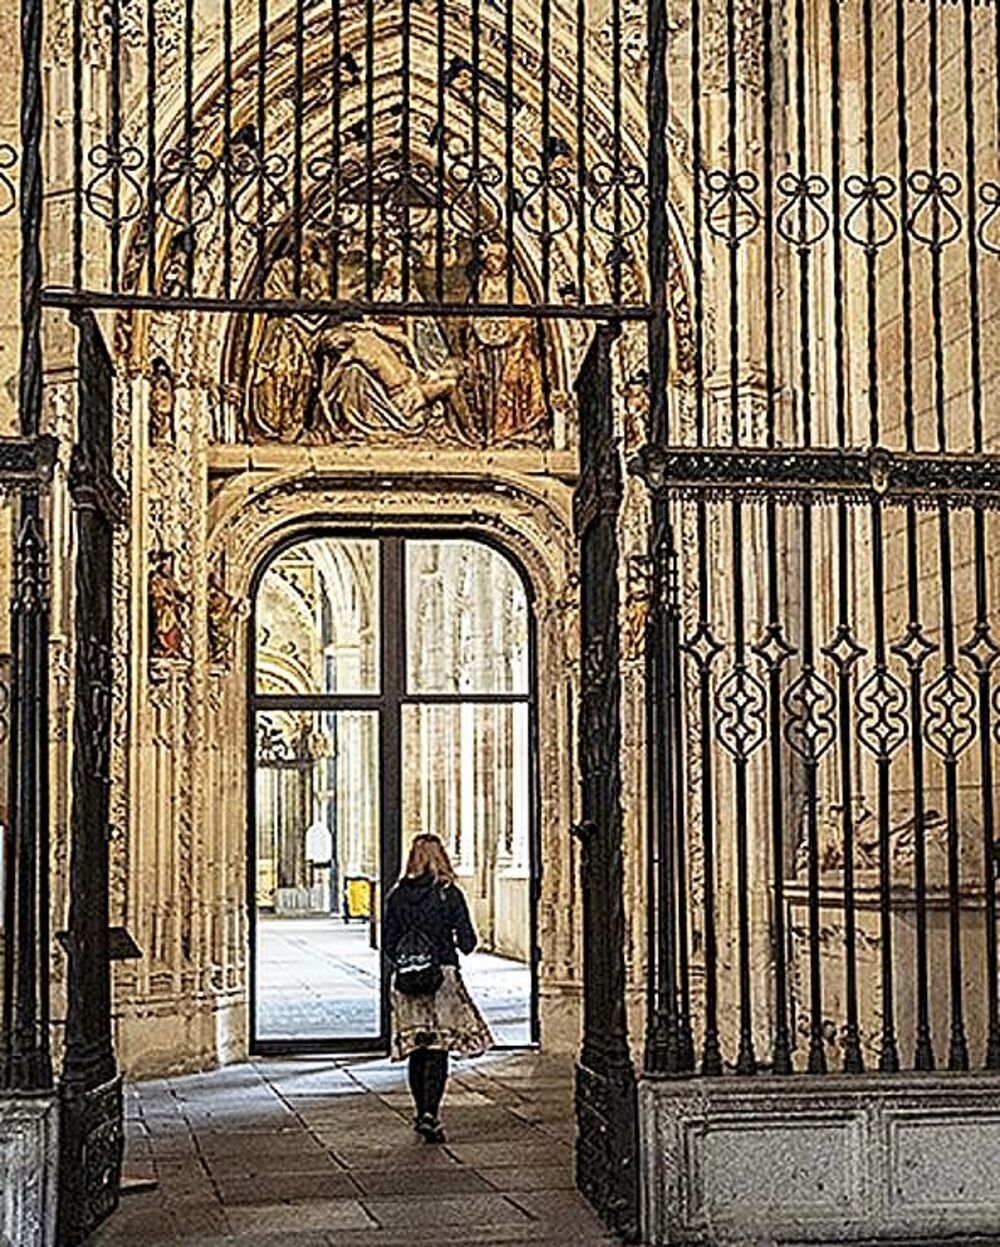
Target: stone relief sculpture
{"type": "Point", "coordinates": [384, 379]}
{"type": "Point", "coordinates": [506, 362]}
{"type": "Point", "coordinates": [221, 620]}
{"type": "Point", "coordinates": [168, 610]}
{"type": "Point", "coordinates": [161, 403]}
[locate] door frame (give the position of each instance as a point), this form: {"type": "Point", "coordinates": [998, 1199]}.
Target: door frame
{"type": "Point", "coordinates": [387, 703]}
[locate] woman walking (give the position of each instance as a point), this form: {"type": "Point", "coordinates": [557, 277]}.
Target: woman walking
{"type": "Point", "coordinates": [426, 925]}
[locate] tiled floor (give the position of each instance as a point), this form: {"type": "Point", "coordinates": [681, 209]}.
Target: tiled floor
{"type": "Point", "coordinates": [321, 1153]}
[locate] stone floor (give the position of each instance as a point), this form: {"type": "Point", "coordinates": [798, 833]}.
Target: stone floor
{"type": "Point", "coordinates": [318, 978]}
{"type": "Point", "coordinates": [321, 1153]}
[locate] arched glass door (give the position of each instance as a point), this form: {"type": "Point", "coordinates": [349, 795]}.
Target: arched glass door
{"type": "Point", "coordinates": [392, 693]}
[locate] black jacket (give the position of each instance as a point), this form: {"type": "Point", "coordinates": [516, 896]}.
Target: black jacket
{"type": "Point", "coordinates": [439, 911]}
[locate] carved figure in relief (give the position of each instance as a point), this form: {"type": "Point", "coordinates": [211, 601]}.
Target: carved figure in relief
{"type": "Point", "coordinates": [507, 364]}
{"type": "Point", "coordinates": [167, 609]}
{"type": "Point", "coordinates": [474, 382]}
{"type": "Point", "coordinates": [221, 619]}
{"type": "Point", "coordinates": [638, 591]}
{"type": "Point", "coordinates": [161, 404]}
{"type": "Point", "coordinates": [283, 376]}
{"type": "Point", "coordinates": [902, 838]}
{"type": "Point", "coordinates": [282, 382]}
{"type": "Point", "coordinates": [384, 373]}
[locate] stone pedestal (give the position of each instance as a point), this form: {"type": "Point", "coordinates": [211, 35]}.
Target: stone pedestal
{"type": "Point", "coordinates": [819, 1160]}
{"type": "Point", "coordinates": [29, 1162]}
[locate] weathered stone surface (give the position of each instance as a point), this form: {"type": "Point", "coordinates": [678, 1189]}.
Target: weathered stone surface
{"type": "Point", "coordinates": [28, 1166]}
{"type": "Point", "coordinates": [837, 1160]}
{"type": "Point", "coordinates": [387, 1190]}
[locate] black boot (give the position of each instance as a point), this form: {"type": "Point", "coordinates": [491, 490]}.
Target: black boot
{"type": "Point", "coordinates": [435, 1078]}
{"type": "Point", "coordinates": [417, 1077]}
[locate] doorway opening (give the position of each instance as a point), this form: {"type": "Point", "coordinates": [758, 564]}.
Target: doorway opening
{"type": "Point", "coordinates": [392, 692]}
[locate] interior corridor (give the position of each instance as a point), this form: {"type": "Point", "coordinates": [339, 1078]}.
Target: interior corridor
{"type": "Point", "coordinates": [320, 1153]}
{"type": "Point", "coordinates": [319, 977]}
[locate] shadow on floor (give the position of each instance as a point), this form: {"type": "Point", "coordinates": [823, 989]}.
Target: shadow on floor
{"type": "Point", "coordinates": [321, 1152]}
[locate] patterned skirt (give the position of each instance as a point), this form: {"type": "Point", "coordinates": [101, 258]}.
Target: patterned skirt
{"type": "Point", "coordinates": [449, 1019]}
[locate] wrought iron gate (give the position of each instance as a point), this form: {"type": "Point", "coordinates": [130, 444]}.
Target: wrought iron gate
{"type": "Point", "coordinates": [824, 704]}
{"type": "Point", "coordinates": [605, 1088]}
{"type": "Point", "coordinates": [339, 163]}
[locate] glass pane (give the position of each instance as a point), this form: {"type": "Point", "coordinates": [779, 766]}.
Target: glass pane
{"type": "Point", "coordinates": [317, 881]}
{"type": "Point", "coordinates": [467, 620]}
{"type": "Point", "coordinates": [317, 619]}
{"type": "Point", "coordinates": [466, 779]}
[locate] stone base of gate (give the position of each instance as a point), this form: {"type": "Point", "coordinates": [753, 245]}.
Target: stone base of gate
{"type": "Point", "coordinates": [827, 1160]}
{"type": "Point", "coordinates": [29, 1164]}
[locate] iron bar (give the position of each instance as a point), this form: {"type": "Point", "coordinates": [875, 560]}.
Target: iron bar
{"type": "Point", "coordinates": [115, 145]}
{"type": "Point", "coordinates": [746, 1061]}
{"type": "Point", "coordinates": [335, 206]}
{"type": "Point", "coordinates": [438, 139]}
{"type": "Point", "coordinates": [510, 211]}
{"type": "Point", "coordinates": [406, 241]}
{"type": "Point", "coordinates": [844, 643]}
{"type": "Point", "coordinates": [663, 776]}
{"type": "Point", "coordinates": [853, 1059]}
{"type": "Point", "coordinates": [923, 1055]}
{"type": "Point", "coordinates": [151, 146]}
{"type": "Point", "coordinates": [369, 149]}
{"type": "Point", "coordinates": [809, 680]}
{"type": "Point", "coordinates": [114, 18]}
{"type": "Point", "coordinates": [664, 1048]}
{"type": "Point", "coordinates": [617, 172]}
{"type": "Point", "coordinates": [581, 149]}
{"type": "Point", "coordinates": [298, 171]}
{"type": "Point", "coordinates": [227, 152]}
{"type": "Point", "coordinates": [958, 1055]}
{"type": "Point", "coordinates": [27, 1057]}
{"type": "Point", "coordinates": [678, 728]}
{"type": "Point", "coordinates": [888, 1054]}
{"type": "Point", "coordinates": [346, 309]}
{"type": "Point", "coordinates": [982, 627]}
{"type": "Point", "coordinates": [711, 1055]}
{"type": "Point", "coordinates": [259, 145]}
{"type": "Point", "coordinates": [188, 142]}
{"type": "Point", "coordinates": [781, 1058]}
{"type": "Point", "coordinates": [77, 55]}
{"type": "Point", "coordinates": [478, 239]}
{"type": "Point", "coordinates": [546, 145]}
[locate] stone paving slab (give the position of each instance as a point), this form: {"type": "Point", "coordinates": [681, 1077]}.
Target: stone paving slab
{"type": "Point", "coordinates": [537, 1178]}
{"type": "Point", "coordinates": [453, 1211]}
{"type": "Point", "coordinates": [287, 1188]}
{"type": "Point", "coordinates": [427, 1183]}
{"type": "Point", "coordinates": [321, 1153]}
{"type": "Point", "coordinates": [291, 1219]}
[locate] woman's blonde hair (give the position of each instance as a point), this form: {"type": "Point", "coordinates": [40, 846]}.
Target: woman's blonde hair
{"type": "Point", "coordinates": [429, 856]}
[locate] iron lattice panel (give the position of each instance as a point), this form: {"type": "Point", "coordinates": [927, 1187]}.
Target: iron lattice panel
{"type": "Point", "coordinates": [347, 156]}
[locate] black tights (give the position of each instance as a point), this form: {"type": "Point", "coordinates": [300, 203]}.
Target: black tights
{"type": "Point", "coordinates": [428, 1073]}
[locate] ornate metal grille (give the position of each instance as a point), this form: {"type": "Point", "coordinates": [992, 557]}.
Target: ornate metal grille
{"type": "Point", "coordinates": [407, 154]}
{"type": "Point", "coordinates": [822, 641]}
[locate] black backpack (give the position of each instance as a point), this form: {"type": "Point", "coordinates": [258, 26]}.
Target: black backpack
{"type": "Point", "coordinates": [417, 967]}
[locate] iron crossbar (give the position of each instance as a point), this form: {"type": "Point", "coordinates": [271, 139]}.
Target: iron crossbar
{"type": "Point", "coordinates": [343, 310]}
{"type": "Point", "coordinates": [824, 473]}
